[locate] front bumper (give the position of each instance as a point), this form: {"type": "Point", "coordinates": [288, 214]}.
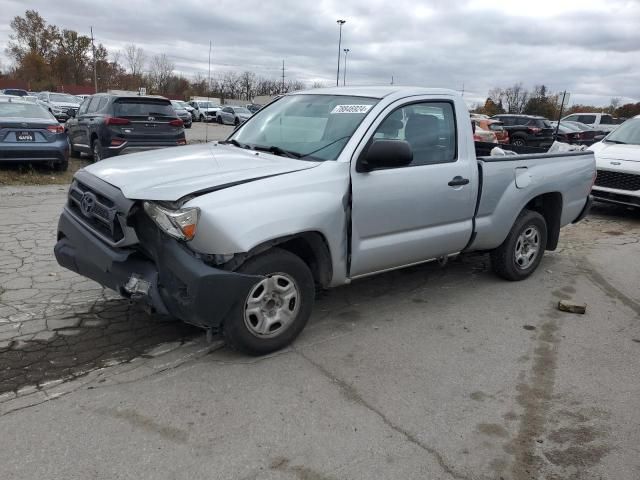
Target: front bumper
{"type": "Point", "coordinates": [177, 283]}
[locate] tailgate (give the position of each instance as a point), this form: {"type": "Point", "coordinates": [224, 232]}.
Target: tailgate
{"type": "Point", "coordinates": [148, 119]}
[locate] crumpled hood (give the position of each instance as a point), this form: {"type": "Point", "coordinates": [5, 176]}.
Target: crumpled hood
{"type": "Point", "coordinates": [172, 173]}
{"type": "Point", "coordinates": [614, 151]}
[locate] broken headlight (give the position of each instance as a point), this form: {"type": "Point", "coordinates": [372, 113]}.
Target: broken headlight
{"type": "Point", "coordinates": [180, 224]}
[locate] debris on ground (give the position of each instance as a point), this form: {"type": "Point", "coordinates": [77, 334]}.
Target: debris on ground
{"type": "Point", "coordinates": [566, 306]}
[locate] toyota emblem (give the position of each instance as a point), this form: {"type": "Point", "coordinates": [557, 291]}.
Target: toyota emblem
{"type": "Point", "coordinates": [87, 204]}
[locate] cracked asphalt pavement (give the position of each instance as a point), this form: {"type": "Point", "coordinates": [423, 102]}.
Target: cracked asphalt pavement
{"type": "Point", "coordinates": [425, 373]}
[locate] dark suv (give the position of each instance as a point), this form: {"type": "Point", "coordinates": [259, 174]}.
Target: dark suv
{"type": "Point", "coordinates": [527, 130]}
{"type": "Point", "coordinates": [108, 125]}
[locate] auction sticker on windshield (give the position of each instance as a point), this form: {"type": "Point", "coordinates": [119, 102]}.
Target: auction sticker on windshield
{"type": "Point", "coordinates": [351, 109]}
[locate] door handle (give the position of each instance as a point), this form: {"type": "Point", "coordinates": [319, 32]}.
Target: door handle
{"type": "Point", "coordinates": [458, 181]}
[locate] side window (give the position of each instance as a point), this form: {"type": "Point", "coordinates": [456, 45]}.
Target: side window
{"type": "Point", "coordinates": [83, 106]}
{"type": "Point", "coordinates": [587, 118]}
{"type": "Point", "coordinates": [572, 118]}
{"type": "Point", "coordinates": [428, 127]}
{"type": "Point", "coordinates": [102, 103]}
{"type": "Point", "coordinates": [93, 106]}
{"type": "Point", "coordinates": [606, 120]}
{"type": "Point", "coordinates": [507, 120]}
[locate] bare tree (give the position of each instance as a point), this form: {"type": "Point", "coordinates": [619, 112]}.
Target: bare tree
{"type": "Point", "coordinates": [515, 98]}
{"type": "Point", "coordinates": [613, 106]}
{"type": "Point", "coordinates": [318, 84]}
{"type": "Point", "coordinates": [134, 58]}
{"type": "Point", "coordinates": [247, 83]}
{"type": "Point", "coordinates": [160, 72]}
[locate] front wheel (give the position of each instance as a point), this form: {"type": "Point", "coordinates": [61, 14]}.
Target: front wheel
{"type": "Point", "coordinates": [276, 308]}
{"type": "Point", "coordinates": [521, 252]}
{"type": "Point", "coordinates": [219, 120]}
{"type": "Point", "coordinates": [236, 122]}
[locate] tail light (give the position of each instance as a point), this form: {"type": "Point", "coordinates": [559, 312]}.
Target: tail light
{"type": "Point", "coordinates": [55, 128]}
{"type": "Point", "coordinates": [115, 142]}
{"type": "Point", "coordinates": [176, 123]}
{"type": "Point", "coordinates": [117, 121]}
{"type": "Point", "coordinates": [534, 129]}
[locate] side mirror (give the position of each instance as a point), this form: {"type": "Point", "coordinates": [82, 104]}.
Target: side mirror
{"type": "Point", "coordinates": [385, 154]}
{"type": "Point", "coordinates": [71, 113]}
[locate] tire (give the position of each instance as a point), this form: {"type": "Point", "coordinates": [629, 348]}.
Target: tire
{"type": "Point", "coordinates": [97, 151]}
{"type": "Point", "coordinates": [519, 141]}
{"type": "Point", "coordinates": [203, 118]}
{"type": "Point", "coordinates": [249, 332]}
{"type": "Point", "coordinates": [236, 122]}
{"type": "Point", "coordinates": [187, 125]}
{"type": "Point", "coordinates": [72, 151]}
{"type": "Point", "coordinates": [62, 166]}
{"type": "Point", "coordinates": [219, 120]}
{"type": "Point", "coordinates": [521, 252]}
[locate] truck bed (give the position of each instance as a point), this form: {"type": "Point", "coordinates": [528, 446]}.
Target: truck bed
{"type": "Point", "coordinates": [509, 183]}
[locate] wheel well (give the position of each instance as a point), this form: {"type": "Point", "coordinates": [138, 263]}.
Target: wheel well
{"type": "Point", "coordinates": [549, 205]}
{"type": "Point", "coordinates": [311, 247]}
{"type": "Point", "coordinates": [94, 137]}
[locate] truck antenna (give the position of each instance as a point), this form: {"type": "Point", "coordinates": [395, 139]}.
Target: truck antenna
{"type": "Point", "coordinates": [206, 126]}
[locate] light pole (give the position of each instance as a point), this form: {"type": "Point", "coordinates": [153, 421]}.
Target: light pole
{"type": "Point", "coordinates": [340, 23]}
{"type": "Point", "coordinates": [344, 73]}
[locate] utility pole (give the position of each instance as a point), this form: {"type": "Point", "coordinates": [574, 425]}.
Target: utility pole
{"type": "Point", "coordinates": [340, 23]}
{"type": "Point", "coordinates": [344, 74]}
{"type": "Point", "coordinates": [282, 76]}
{"type": "Point", "coordinates": [95, 70]}
{"type": "Point", "coordinates": [391, 79]}
{"type": "Point", "coordinates": [564, 94]}
{"type": "Point", "coordinates": [463, 89]}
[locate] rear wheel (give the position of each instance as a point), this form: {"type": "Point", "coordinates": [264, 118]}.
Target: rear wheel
{"type": "Point", "coordinates": [236, 122]}
{"type": "Point", "coordinates": [518, 141]}
{"type": "Point", "coordinates": [521, 252]}
{"type": "Point", "coordinates": [219, 119]}
{"type": "Point", "coordinates": [203, 118]}
{"type": "Point", "coordinates": [277, 307]}
{"type": "Point", "coordinates": [98, 152]}
{"type": "Point", "coordinates": [72, 151]}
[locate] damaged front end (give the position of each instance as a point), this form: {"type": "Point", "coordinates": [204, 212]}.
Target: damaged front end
{"type": "Point", "coordinates": [114, 242]}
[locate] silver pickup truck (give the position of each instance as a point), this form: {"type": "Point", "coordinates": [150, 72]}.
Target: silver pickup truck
{"type": "Point", "coordinates": [316, 190]}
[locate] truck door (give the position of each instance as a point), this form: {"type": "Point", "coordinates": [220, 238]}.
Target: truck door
{"type": "Point", "coordinates": [410, 214]}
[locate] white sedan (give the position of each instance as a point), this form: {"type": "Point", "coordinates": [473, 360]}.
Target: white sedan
{"type": "Point", "coordinates": [618, 165]}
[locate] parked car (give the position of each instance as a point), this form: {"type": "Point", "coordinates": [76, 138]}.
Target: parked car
{"type": "Point", "coordinates": [30, 99]}
{"type": "Point", "coordinates": [570, 134]}
{"type": "Point", "coordinates": [83, 96]}
{"type": "Point", "coordinates": [317, 189]}
{"type": "Point", "coordinates": [527, 130]}
{"type": "Point", "coordinates": [618, 164]}
{"type": "Point", "coordinates": [59, 104]}
{"type": "Point", "coordinates": [185, 106]}
{"type": "Point", "coordinates": [18, 92]}
{"type": "Point", "coordinates": [597, 134]}
{"type": "Point", "coordinates": [599, 121]}
{"type": "Point", "coordinates": [108, 125]}
{"type": "Point", "coordinates": [253, 107]}
{"type": "Point", "coordinates": [495, 126]}
{"type": "Point", "coordinates": [182, 113]}
{"type": "Point", "coordinates": [204, 111]}
{"type": "Point", "coordinates": [233, 115]}
{"type": "Point", "coordinates": [29, 133]}
{"type": "Point", "coordinates": [482, 135]}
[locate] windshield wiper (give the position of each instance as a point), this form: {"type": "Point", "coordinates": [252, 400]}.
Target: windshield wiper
{"type": "Point", "coordinates": [619, 142]}
{"type": "Point", "coordinates": [277, 151]}
{"type": "Point", "coordinates": [325, 146]}
{"type": "Point", "coordinates": [233, 142]}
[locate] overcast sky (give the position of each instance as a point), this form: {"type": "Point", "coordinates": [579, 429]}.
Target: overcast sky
{"type": "Point", "coordinates": [588, 47]}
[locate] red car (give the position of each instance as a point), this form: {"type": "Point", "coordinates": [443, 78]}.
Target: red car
{"type": "Point", "coordinates": [494, 126]}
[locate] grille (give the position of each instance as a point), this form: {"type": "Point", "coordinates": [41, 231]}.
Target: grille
{"type": "Point", "coordinates": [618, 180]}
{"type": "Point", "coordinates": [101, 216]}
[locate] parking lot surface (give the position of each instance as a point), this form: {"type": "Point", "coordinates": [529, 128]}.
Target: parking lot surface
{"type": "Point", "coordinates": [425, 373]}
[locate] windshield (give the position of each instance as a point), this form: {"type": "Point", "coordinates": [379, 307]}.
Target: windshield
{"type": "Point", "coordinates": [62, 97]}
{"type": "Point", "coordinates": [23, 110]}
{"type": "Point", "coordinates": [317, 126]}
{"type": "Point", "coordinates": [207, 105]}
{"type": "Point", "coordinates": [628, 132]}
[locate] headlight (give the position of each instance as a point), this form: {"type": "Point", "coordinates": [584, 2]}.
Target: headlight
{"type": "Point", "coordinates": [180, 224]}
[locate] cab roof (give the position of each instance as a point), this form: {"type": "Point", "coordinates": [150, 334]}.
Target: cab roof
{"type": "Point", "coordinates": [377, 91]}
